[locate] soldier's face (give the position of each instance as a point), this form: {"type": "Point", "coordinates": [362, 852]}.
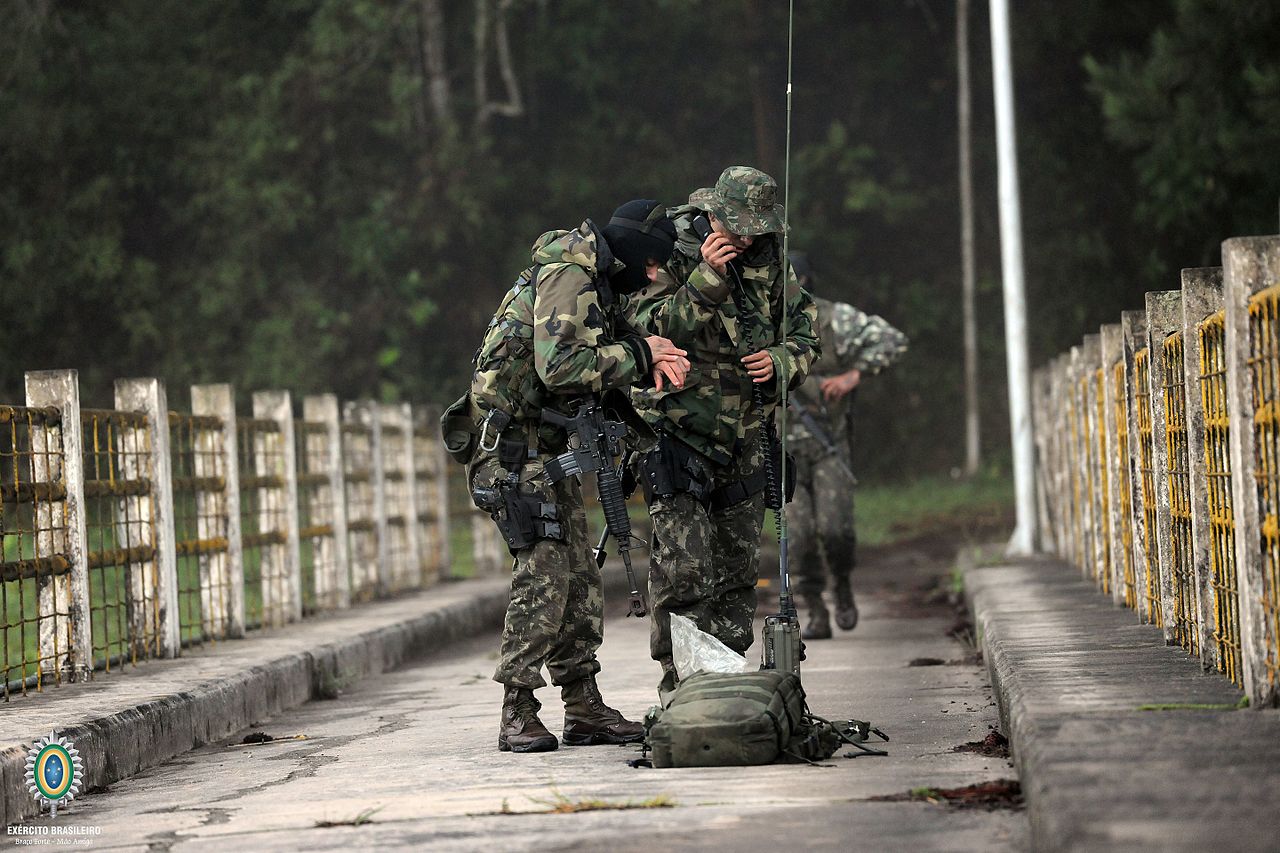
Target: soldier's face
{"type": "Point", "coordinates": [738, 241]}
{"type": "Point", "coordinates": [651, 270]}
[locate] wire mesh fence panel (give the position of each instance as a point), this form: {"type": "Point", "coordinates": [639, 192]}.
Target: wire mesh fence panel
{"type": "Point", "coordinates": [1217, 452]}
{"type": "Point", "coordinates": [35, 584]}
{"type": "Point", "coordinates": [1264, 373]}
{"type": "Point", "coordinates": [1124, 488]}
{"type": "Point", "coordinates": [1102, 497]}
{"type": "Point", "coordinates": [124, 602]}
{"type": "Point", "coordinates": [362, 527]}
{"type": "Point", "coordinates": [1146, 471]}
{"type": "Point", "coordinates": [201, 522]}
{"type": "Point", "coordinates": [263, 522]}
{"type": "Point", "coordinates": [429, 467]}
{"type": "Point", "coordinates": [316, 518]}
{"type": "Point", "coordinates": [1182, 569]}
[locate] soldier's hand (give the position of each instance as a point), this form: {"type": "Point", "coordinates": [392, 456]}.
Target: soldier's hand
{"type": "Point", "coordinates": [759, 366]}
{"type": "Point", "coordinates": [835, 387]}
{"type": "Point", "coordinates": [717, 251]}
{"type": "Point", "coordinates": [663, 349]}
{"type": "Point", "coordinates": [671, 371]}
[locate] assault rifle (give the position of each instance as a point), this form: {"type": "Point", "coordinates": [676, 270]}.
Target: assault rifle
{"type": "Point", "coordinates": [815, 429]}
{"type": "Point", "coordinates": [594, 443]}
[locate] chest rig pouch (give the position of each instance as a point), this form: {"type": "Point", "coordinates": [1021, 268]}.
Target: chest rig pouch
{"type": "Point", "coordinates": [672, 468]}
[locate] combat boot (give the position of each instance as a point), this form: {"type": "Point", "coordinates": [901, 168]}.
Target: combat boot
{"type": "Point", "coordinates": [589, 721]}
{"type": "Point", "coordinates": [846, 608]}
{"type": "Point", "coordinates": [521, 730]}
{"type": "Point", "coordinates": [819, 627]}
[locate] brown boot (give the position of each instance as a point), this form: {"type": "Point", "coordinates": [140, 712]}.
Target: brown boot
{"type": "Point", "coordinates": [819, 627]}
{"type": "Point", "coordinates": [589, 721]}
{"type": "Point", "coordinates": [846, 609]}
{"type": "Point", "coordinates": [521, 730]}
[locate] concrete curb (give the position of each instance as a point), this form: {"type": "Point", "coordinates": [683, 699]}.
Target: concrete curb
{"type": "Point", "coordinates": [1074, 677]}
{"type": "Point", "coordinates": [126, 722]}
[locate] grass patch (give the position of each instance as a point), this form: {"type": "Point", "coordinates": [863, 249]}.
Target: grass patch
{"type": "Point", "coordinates": [560, 804]}
{"type": "Point", "coordinates": [892, 512]}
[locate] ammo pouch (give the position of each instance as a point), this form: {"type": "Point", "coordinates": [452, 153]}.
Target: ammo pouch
{"type": "Point", "coordinates": [732, 494]}
{"type": "Point", "coordinates": [458, 429]}
{"type": "Point", "coordinates": [672, 468]}
{"type": "Point", "coordinates": [727, 720]}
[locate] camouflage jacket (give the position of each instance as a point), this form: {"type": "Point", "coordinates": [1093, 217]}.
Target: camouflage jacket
{"type": "Point", "coordinates": [692, 304]}
{"type": "Point", "coordinates": [559, 332]}
{"type": "Point", "coordinates": [851, 340]}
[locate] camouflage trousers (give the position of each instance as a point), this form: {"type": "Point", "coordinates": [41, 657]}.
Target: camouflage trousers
{"type": "Point", "coordinates": [556, 614]}
{"type": "Point", "coordinates": [822, 539]}
{"type": "Point", "coordinates": [704, 564]}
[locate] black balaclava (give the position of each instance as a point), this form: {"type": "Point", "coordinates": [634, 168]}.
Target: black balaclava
{"type": "Point", "coordinates": [639, 230]}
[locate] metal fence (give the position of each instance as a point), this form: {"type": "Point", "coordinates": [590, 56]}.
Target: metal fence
{"type": "Point", "coordinates": [35, 575]}
{"type": "Point", "coordinates": [136, 532]}
{"type": "Point", "coordinates": [1160, 451]}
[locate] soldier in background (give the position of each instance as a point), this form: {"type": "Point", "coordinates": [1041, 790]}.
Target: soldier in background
{"type": "Point", "coordinates": [558, 336]}
{"type": "Point", "coordinates": [823, 538]}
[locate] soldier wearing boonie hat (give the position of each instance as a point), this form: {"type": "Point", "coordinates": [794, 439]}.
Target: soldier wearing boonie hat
{"type": "Point", "coordinates": [745, 200]}
{"type": "Point", "coordinates": [723, 300]}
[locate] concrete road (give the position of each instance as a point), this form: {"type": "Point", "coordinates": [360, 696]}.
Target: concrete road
{"type": "Point", "coordinates": [411, 758]}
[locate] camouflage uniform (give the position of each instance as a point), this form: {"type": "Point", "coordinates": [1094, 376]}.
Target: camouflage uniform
{"type": "Point", "coordinates": [704, 559]}
{"type": "Point", "coordinates": [820, 520]}
{"type": "Point", "coordinates": [548, 344]}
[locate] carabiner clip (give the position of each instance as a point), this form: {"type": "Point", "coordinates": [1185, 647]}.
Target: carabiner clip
{"type": "Point", "coordinates": [484, 432]}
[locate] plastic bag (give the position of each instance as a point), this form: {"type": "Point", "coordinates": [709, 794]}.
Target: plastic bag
{"type": "Point", "coordinates": [695, 650]}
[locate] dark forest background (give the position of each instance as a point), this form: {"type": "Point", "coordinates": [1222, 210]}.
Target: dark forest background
{"type": "Point", "coordinates": [333, 194]}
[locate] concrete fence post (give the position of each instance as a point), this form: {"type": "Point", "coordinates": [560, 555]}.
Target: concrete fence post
{"type": "Point", "coordinates": [1201, 298]}
{"type": "Point", "coordinates": [1116, 432]}
{"type": "Point", "coordinates": [431, 493]}
{"type": "Point", "coordinates": [1098, 559]}
{"type": "Point", "coordinates": [333, 581]}
{"type": "Point", "coordinates": [1145, 554]}
{"type": "Point", "coordinates": [159, 580]}
{"type": "Point", "coordinates": [1058, 383]}
{"type": "Point", "coordinates": [1164, 319]}
{"type": "Point", "coordinates": [403, 547]}
{"type": "Point", "coordinates": [377, 580]}
{"type": "Point", "coordinates": [223, 615]}
{"type": "Point", "coordinates": [1251, 277]}
{"type": "Point", "coordinates": [1079, 435]}
{"type": "Point", "coordinates": [280, 598]}
{"type": "Point", "coordinates": [65, 632]}
{"type": "Point", "coordinates": [1042, 429]}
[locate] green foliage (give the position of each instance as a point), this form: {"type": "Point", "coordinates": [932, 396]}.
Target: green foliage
{"type": "Point", "coordinates": [281, 193]}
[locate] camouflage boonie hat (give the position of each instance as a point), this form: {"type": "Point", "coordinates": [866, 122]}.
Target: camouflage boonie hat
{"type": "Point", "coordinates": [745, 200]}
